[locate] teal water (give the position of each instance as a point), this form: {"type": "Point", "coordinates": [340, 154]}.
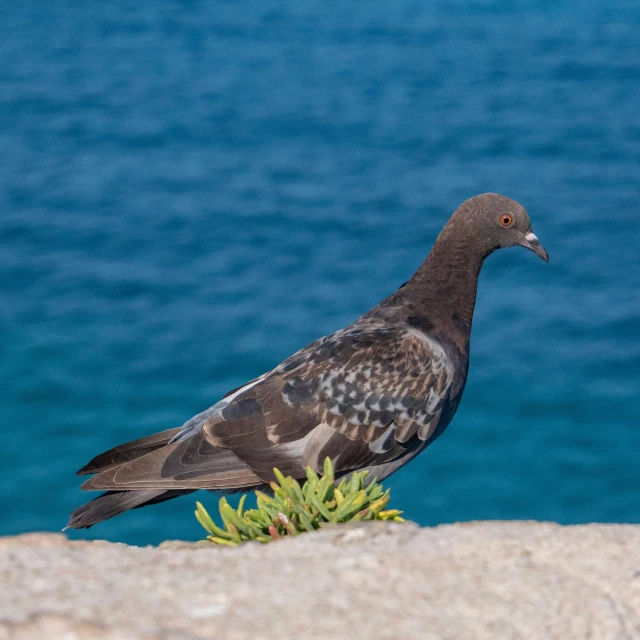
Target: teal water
{"type": "Point", "coordinates": [191, 191]}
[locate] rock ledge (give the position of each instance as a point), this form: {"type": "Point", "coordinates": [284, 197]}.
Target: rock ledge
{"type": "Point", "coordinates": [473, 581]}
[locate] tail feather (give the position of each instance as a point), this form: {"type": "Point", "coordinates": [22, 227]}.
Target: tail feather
{"type": "Point", "coordinates": [128, 451]}
{"type": "Point", "coordinates": [192, 463]}
{"type": "Point", "coordinates": [154, 469]}
{"type": "Point", "coordinates": [113, 503]}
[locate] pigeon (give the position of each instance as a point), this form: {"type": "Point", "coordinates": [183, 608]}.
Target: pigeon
{"type": "Point", "coordinates": [371, 396]}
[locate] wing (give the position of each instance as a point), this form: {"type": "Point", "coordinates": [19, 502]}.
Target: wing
{"type": "Point", "coordinates": [363, 397]}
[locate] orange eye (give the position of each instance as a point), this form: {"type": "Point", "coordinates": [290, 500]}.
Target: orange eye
{"type": "Point", "coordinates": [506, 220]}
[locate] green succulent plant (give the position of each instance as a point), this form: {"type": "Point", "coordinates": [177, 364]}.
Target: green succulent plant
{"type": "Point", "coordinates": [294, 509]}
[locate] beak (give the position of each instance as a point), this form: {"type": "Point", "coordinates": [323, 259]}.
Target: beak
{"type": "Point", "coordinates": [532, 243]}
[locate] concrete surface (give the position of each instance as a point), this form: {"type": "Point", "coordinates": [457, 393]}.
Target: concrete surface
{"type": "Point", "coordinates": [475, 581]}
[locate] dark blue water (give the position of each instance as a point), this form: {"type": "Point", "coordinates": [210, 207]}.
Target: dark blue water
{"type": "Point", "coordinates": [191, 191]}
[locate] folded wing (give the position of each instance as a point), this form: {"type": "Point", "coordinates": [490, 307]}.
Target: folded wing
{"type": "Point", "coordinates": [363, 397]}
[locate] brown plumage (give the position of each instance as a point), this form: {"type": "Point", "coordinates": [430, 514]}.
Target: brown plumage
{"type": "Point", "coordinates": [371, 396]}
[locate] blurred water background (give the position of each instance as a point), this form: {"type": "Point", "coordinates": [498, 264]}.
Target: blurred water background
{"type": "Point", "coordinates": [191, 191]}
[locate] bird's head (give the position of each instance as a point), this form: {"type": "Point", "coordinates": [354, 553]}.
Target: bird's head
{"type": "Point", "coordinates": [494, 221]}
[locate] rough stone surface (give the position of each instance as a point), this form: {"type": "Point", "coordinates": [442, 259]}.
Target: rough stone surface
{"type": "Point", "coordinates": [475, 581]}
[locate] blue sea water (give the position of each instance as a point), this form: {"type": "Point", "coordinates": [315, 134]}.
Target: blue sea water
{"type": "Point", "coordinates": [191, 191]}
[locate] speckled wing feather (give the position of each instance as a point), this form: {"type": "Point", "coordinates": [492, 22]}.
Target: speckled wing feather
{"type": "Point", "coordinates": [364, 396]}
{"type": "Point", "coordinates": [360, 396]}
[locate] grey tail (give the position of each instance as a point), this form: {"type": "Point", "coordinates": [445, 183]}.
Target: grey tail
{"type": "Point", "coordinates": [112, 503]}
{"type": "Point", "coordinates": [128, 451]}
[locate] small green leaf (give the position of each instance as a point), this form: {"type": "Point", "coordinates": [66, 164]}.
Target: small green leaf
{"type": "Point", "coordinates": [228, 543]}
{"type": "Point", "coordinates": [230, 516]}
{"type": "Point", "coordinates": [235, 534]}
{"type": "Point", "coordinates": [379, 504]}
{"type": "Point", "coordinates": [356, 482]}
{"type": "Point", "coordinates": [305, 518]}
{"type": "Point", "coordinates": [318, 504]}
{"type": "Point", "coordinates": [205, 520]}
{"type": "Point", "coordinates": [351, 505]}
{"type": "Point", "coordinates": [278, 491]}
{"type": "Point", "coordinates": [312, 476]}
{"type": "Point", "coordinates": [328, 468]}
{"type": "Point", "coordinates": [375, 492]}
{"type": "Point", "coordinates": [243, 499]}
{"type": "Point", "coordinates": [297, 491]}
{"type": "Point", "coordinates": [389, 514]}
{"type": "Point", "coordinates": [324, 488]}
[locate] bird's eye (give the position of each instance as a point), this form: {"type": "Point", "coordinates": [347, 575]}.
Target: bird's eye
{"type": "Point", "coordinates": [506, 220]}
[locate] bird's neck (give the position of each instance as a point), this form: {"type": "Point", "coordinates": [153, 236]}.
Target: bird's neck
{"type": "Point", "coordinates": [444, 287]}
